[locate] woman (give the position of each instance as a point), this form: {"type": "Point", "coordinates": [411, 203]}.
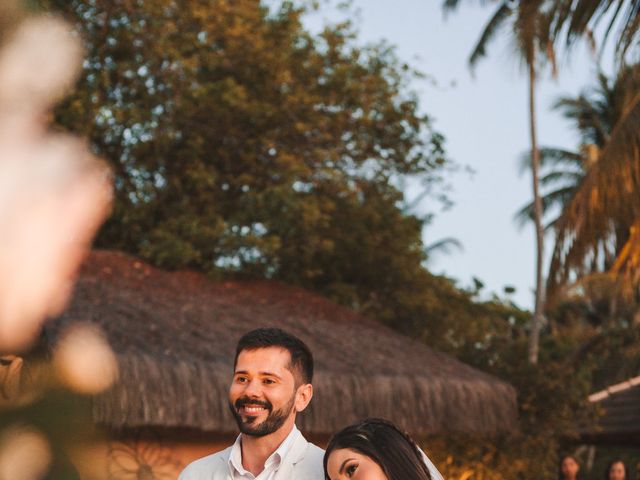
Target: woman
{"type": "Point", "coordinates": [375, 449]}
{"type": "Point", "coordinates": [616, 470]}
{"type": "Point", "coordinates": [569, 468]}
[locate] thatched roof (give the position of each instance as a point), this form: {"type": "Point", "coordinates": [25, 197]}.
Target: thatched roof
{"type": "Point", "coordinates": [620, 420]}
{"type": "Point", "coordinates": [175, 333]}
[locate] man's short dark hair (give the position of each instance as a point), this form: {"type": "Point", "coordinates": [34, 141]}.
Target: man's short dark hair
{"type": "Point", "coordinates": [301, 358]}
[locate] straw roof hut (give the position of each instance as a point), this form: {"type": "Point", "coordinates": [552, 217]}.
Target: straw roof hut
{"type": "Point", "coordinates": [174, 335]}
{"type": "Point", "coordinates": [620, 420]}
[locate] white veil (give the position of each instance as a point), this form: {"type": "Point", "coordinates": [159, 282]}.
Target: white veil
{"type": "Point", "coordinates": [435, 474]}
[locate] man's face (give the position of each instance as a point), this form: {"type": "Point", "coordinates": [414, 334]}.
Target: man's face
{"type": "Point", "coordinates": [262, 396]}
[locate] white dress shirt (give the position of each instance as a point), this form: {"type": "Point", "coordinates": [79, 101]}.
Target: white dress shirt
{"type": "Point", "coordinates": [271, 465]}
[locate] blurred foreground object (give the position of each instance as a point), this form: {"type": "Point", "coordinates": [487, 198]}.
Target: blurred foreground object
{"type": "Point", "coordinates": [53, 192]}
{"type": "Point", "coordinates": [24, 454]}
{"type": "Point", "coordinates": [84, 361]}
{"type": "Point", "coordinates": [53, 196]}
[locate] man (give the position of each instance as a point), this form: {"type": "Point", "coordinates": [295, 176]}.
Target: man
{"type": "Point", "coordinates": [271, 383]}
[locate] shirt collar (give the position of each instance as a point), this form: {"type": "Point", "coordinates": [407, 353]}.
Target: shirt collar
{"type": "Point", "coordinates": [274, 460]}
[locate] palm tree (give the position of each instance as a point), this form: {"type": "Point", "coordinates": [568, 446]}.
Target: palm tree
{"type": "Point", "coordinates": [599, 227]}
{"type": "Point", "coordinates": [529, 26]}
{"type": "Point", "coordinates": [593, 113]}
{"type": "Point", "coordinates": [560, 173]}
{"type": "Point", "coordinates": [610, 191]}
{"type": "Point", "coordinates": [574, 19]}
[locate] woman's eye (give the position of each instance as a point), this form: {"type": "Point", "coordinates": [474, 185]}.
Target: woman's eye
{"type": "Point", "coordinates": [351, 470]}
{"type": "Point", "coordinates": [241, 379]}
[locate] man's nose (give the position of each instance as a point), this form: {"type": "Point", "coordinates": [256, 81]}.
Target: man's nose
{"type": "Point", "coordinates": [253, 388]}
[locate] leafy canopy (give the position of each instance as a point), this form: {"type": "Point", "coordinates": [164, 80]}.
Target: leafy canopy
{"type": "Point", "coordinates": [233, 131]}
{"type": "Point", "coordinates": [243, 144]}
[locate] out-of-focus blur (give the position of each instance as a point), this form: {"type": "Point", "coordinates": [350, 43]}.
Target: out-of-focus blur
{"type": "Point", "coordinates": [84, 361]}
{"type": "Point", "coordinates": [53, 192]}
{"type": "Point", "coordinates": [24, 454]}
{"type": "Point", "coordinates": [53, 196]}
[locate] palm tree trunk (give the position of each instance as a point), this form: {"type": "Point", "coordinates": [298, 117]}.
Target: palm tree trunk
{"type": "Point", "coordinates": [536, 321]}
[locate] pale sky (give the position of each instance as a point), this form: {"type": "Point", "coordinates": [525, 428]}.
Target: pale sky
{"type": "Point", "coordinates": [485, 122]}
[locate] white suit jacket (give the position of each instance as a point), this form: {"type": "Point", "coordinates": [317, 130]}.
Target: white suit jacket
{"type": "Point", "coordinates": [303, 462]}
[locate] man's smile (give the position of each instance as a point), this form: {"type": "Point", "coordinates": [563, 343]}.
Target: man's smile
{"type": "Point", "coordinates": [251, 407]}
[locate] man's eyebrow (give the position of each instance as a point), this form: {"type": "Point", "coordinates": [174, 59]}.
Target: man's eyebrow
{"type": "Point", "coordinates": [341, 471]}
{"type": "Point", "coordinates": [263, 373]}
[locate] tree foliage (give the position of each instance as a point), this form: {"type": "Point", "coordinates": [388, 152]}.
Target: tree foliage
{"type": "Point", "coordinates": [242, 143]}
{"type": "Point", "coordinates": [576, 19]}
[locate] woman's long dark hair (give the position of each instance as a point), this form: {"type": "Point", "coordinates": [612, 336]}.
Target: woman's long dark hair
{"type": "Point", "coordinates": [383, 442]}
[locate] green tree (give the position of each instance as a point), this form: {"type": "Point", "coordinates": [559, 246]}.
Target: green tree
{"type": "Point", "coordinates": [243, 144]}
{"type": "Point", "coordinates": [529, 26]}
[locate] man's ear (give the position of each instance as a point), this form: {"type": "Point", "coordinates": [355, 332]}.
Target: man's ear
{"type": "Point", "coordinates": [303, 396]}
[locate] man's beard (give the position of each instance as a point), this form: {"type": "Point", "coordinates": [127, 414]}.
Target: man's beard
{"type": "Point", "coordinates": [273, 422]}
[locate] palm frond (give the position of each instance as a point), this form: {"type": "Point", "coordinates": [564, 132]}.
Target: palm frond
{"type": "Point", "coordinates": [589, 119]}
{"type": "Point", "coordinates": [555, 198]}
{"type": "Point", "coordinates": [551, 157]}
{"type": "Point", "coordinates": [578, 18]}
{"type": "Point", "coordinates": [559, 12]}
{"type": "Point", "coordinates": [583, 12]}
{"type": "Point", "coordinates": [627, 265]}
{"type": "Point", "coordinates": [565, 178]}
{"type": "Point", "coordinates": [489, 33]}
{"type": "Point", "coordinates": [607, 200]}
{"type": "Point", "coordinates": [450, 6]}
{"type": "Point", "coordinates": [446, 245]}
{"type": "Point", "coordinates": [630, 30]}
{"type": "Point", "coordinates": [612, 22]}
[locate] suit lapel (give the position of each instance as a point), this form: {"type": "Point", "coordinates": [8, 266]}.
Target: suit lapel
{"type": "Point", "coordinates": [296, 454]}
